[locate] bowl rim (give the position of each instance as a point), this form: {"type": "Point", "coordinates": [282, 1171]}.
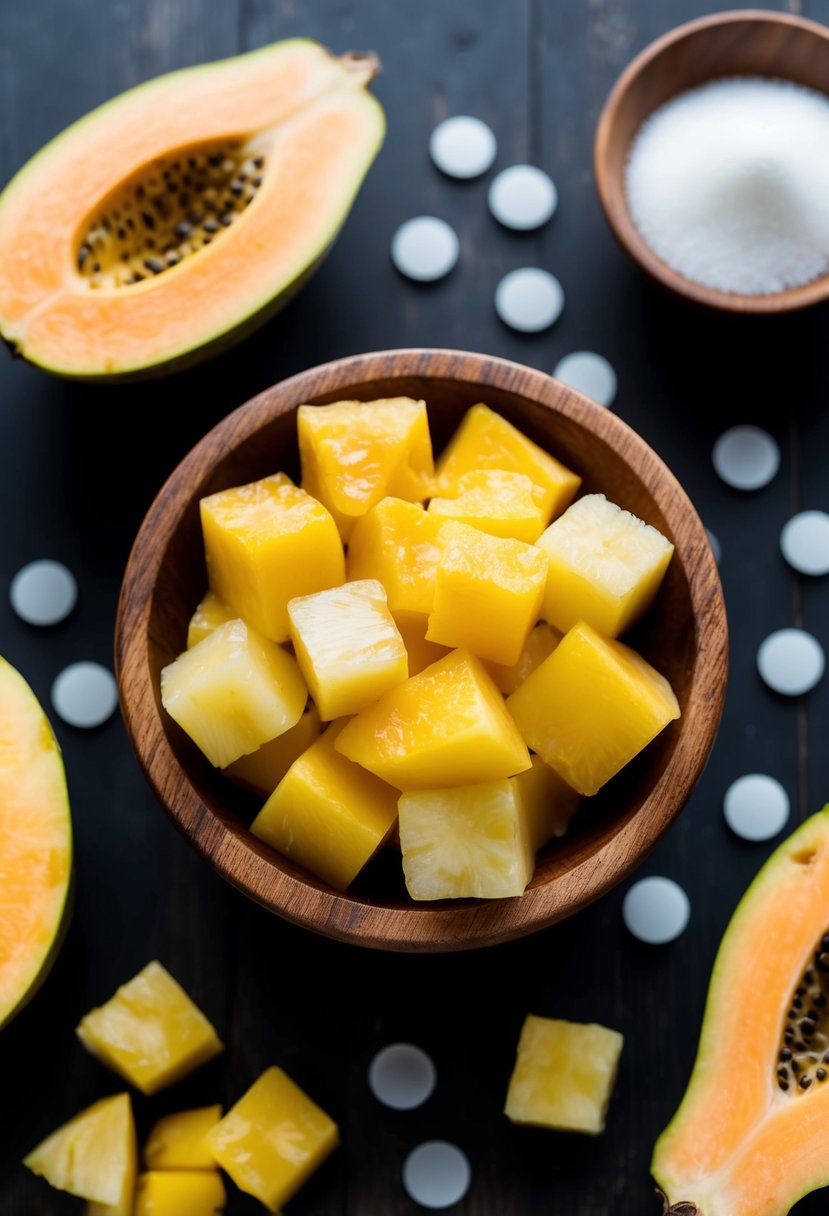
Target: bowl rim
{"type": "Point", "coordinates": [420, 927]}
{"type": "Point", "coordinates": [619, 218]}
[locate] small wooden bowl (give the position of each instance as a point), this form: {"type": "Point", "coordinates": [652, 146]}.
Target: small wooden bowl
{"type": "Point", "coordinates": [747, 43]}
{"type": "Point", "coordinates": [684, 635]}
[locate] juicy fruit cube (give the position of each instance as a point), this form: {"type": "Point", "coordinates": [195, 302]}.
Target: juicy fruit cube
{"type": "Point", "coordinates": [540, 644]}
{"type": "Point", "coordinates": [261, 771]}
{"type": "Point", "coordinates": [328, 814]}
{"type": "Point", "coordinates": [549, 802]}
{"type": "Point", "coordinates": [265, 543]}
{"type": "Point", "coordinates": [93, 1155]}
{"type": "Point", "coordinates": [177, 1142]}
{"type": "Point", "coordinates": [422, 654]}
{"type": "Point", "coordinates": [233, 692]}
{"type": "Point", "coordinates": [446, 726]}
{"type": "Point", "coordinates": [150, 1032]}
{"type": "Point", "coordinates": [399, 544]}
{"type": "Point", "coordinates": [347, 646]}
{"type": "Point", "coordinates": [354, 453]}
{"type": "Point", "coordinates": [605, 566]}
{"type": "Point", "coordinates": [498, 501]}
{"type": "Point", "coordinates": [273, 1139]}
{"type": "Point", "coordinates": [180, 1193]}
{"type": "Point", "coordinates": [564, 1075]}
{"type": "Point", "coordinates": [209, 615]}
{"type": "Point", "coordinates": [485, 440]}
{"type": "Point", "coordinates": [488, 593]}
{"type": "Point", "coordinates": [591, 707]}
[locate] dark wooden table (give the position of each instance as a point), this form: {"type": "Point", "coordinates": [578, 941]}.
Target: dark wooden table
{"type": "Point", "coordinates": [80, 465]}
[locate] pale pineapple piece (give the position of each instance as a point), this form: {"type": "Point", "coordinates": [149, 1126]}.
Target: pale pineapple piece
{"type": "Point", "coordinates": [93, 1156]}
{"type": "Point", "coordinates": [233, 692]}
{"type": "Point", "coordinates": [605, 566]}
{"type": "Point", "coordinates": [498, 501]}
{"type": "Point", "coordinates": [261, 771]}
{"type": "Point", "coordinates": [180, 1193]}
{"type": "Point", "coordinates": [564, 1075]}
{"type": "Point", "coordinates": [209, 615]}
{"type": "Point", "coordinates": [539, 646]}
{"type": "Point", "coordinates": [549, 802]}
{"type": "Point", "coordinates": [178, 1141]}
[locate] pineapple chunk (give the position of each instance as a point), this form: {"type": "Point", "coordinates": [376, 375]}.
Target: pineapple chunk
{"type": "Point", "coordinates": [445, 727]}
{"type": "Point", "coordinates": [354, 453]}
{"type": "Point", "coordinates": [177, 1142]}
{"type": "Point", "coordinates": [93, 1155]}
{"type": "Point", "coordinates": [422, 654]}
{"type": "Point", "coordinates": [150, 1032]}
{"type": "Point", "coordinates": [540, 645]}
{"type": "Point", "coordinates": [261, 771]}
{"type": "Point", "coordinates": [498, 501]}
{"type": "Point", "coordinates": [399, 544]}
{"type": "Point", "coordinates": [591, 707]}
{"type": "Point", "coordinates": [209, 615]}
{"type": "Point", "coordinates": [564, 1075]}
{"type": "Point", "coordinates": [233, 692]}
{"type": "Point", "coordinates": [273, 1139]}
{"type": "Point", "coordinates": [180, 1193]}
{"type": "Point", "coordinates": [485, 440]}
{"type": "Point", "coordinates": [605, 566]}
{"type": "Point", "coordinates": [347, 646]}
{"type": "Point", "coordinates": [328, 814]}
{"type": "Point", "coordinates": [266, 543]}
{"type": "Point", "coordinates": [549, 802]}
{"type": "Point", "coordinates": [488, 593]}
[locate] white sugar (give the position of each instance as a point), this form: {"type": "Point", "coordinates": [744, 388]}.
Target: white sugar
{"type": "Point", "coordinates": [729, 184]}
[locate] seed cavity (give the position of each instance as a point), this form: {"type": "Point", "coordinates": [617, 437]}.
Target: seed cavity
{"type": "Point", "coordinates": [804, 1050]}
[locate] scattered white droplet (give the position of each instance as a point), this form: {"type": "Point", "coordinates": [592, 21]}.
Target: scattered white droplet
{"type": "Point", "coordinates": [522, 197]}
{"type": "Point", "coordinates": [805, 542]}
{"type": "Point", "coordinates": [85, 694]}
{"type": "Point", "coordinates": [716, 547]}
{"type": "Point", "coordinates": [436, 1174]}
{"type": "Point", "coordinates": [656, 910]}
{"type": "Point", "coordinates": [401, 1076]}
{"type": "Point", "coordinates": [756, 807]}
{"type": "Point", "coordinates": [43, 592]}
{"type": "Point", "coordinates": [746, 457]}
{"type": "Point", "coordinates": [529, 299]}
{"type": "Point", "coordinates": [791, 661]}
{"type": "Point", "coordinates": [590, 374]}
{"type": "Point", "coordinates": [425, 248]}
{"type": "Point", "coordinates": [463, 146]}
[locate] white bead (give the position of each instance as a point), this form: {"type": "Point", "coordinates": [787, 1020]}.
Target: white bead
{"type": "Point", "coordinates": [590, 374]}
{"type": "Point", "coordinates": [85, 694]}
{"type": "Point", "coordinates": [756, 807]}
{"type": "Point", "coordinates": [656, 910]}
{"type": "Point", "coordinates": [529, 299]}
{"type": "Point", "coordinates": [43, 592]}
{"type": "Point", "coordinates": [436, 1174]}
{"type": "Point", "coordinates": [401, 1076]}
{"type": "Point", "coordinates": [522, 197]}
{"type": "Point", "coordinates": [425, 248]}
{"type": "Point", "coordinates": [463, 146]}
{"type": "Point", "coordinates": [791, 661]}
{"type": "Point", "coordinates": [805, 542]}
{"type": "Point", "coordinates": [746, 457]}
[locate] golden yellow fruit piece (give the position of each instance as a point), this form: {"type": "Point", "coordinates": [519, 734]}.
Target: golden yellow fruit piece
{"type": "Point", "coordinates": [261, 771]}
{"type": "Point", "coordinates": [180, 1193]}
{"type": "Point", "coordinates": [422, 654]}
{"type": "Point", "coordinates": [209, 615]}
{"type": "Point", "coordinates": [540, 644]}
{"type": "Point", "coordinates": [550, 803]}
{"type": "Point", "coordinates": [399, 544]}
{"type": "Point", "coordinates": [93, 1156]}
{"type": "Point", "coordinates": [498, 501]}
{"type": "Point", "coordinates": [178, 1142]}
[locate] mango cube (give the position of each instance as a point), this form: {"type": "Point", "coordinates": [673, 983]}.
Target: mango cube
{"type": "Point", "coordinates": [347, 646]}
{"type": "Point", "coordinates": [564, 1075]}
{"type": "Point", "coordinates": [591, 707]}
{"type": "Point", "coordinates": [498, 501]}
{"type": "Point", "coordinates": [539, 645]}
{"type": "Point", "coordinates": [485, 440]}
{"type": "Point", "coordinates": [488, 593]}
{"type": "Point", "coordinates": [605, 566]}
{"type": "Point", "coordinates": [178, 1142]}
{"type": "Point", "coordinates": [150, 1032]}
{"type": "Point", "coordinates": [265, 543]}
{"type": "Point", "coordinates": [422, 654]}
{"type": "Point", "coordinates": [328, 814]}
{"type": "Point", "coordinates": [354, 453]}
{"type": "Point", "coordinates": [93, 1156]}
{"type": "Point", "coordinates": [446, 726]}
{"type": "Point", "coordinates": [399, 544]}
{"type": "Point", "coordinates": [209, 615]}
{"type": "Point", "coordinates": [273, 1139]}
{"type": "Point", "coordinates": [261, 771]}
{"type": "Point", "coordinates": [233, 692]}
{"type": "Point", "coordinates": [180, 1193]}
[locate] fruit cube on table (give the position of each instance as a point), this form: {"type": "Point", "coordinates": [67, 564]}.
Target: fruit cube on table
{"type": "Point", "coordinates": [446, 726]}
{"type": "Point", "coordinates": [265, 543]}
{"type": "Point", "coordinates": [328, 814]}
{"type": "Point", "coordinates": [488, 593]}
{"type": "Point", "coordinates": [178, 1142]}
{"type": "Point", "coordinates": [564, 1075]}
{"type": "Point", "coordinates": [179, 1193]}
{"type": "Point", "coordinates": [498, 501]}
{"type": "Point", "coordinates": [540, 645]}
{"type": "Point", "coordinates": [209, 615]}
{"type": "Point", "coordinates": [261, 771]}
{"type": "Point", "coordinates": [93, 1156]}
{"type": "Point", "coordinates": [273, 1139]}
{"type": "Point", "coordinates": [233, 692]}
{"type": "Point", "coordinates": [399, 544]}
{"type": "Point", "coordinates": [347, 645]}
{"type": "Point", "coordinates": [605, 566]}
{"type": "Point", "coordinates": [591, 707]}
{"type": "Point", "coordinates": [354, 453]}
{"type": "Point", "coordinates": [422, 654]}
{"type": "Point", "coordinates": [150, 1032]}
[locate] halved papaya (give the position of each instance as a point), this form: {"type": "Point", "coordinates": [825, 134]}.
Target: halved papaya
{"type": "Point", "coordinates": [168, 222]}
{"type": "Point", "coordinates": [751, 1134]}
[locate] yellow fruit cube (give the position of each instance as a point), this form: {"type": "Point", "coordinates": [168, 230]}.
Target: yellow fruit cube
{"type": "Point", "coordinates": [498, 501]}
{"type": "Point", "coordinates": [540, 644]}
{"type": "Point", "coordinates": [399, 544]}
{"type": "Point", "coordinates": [354, 453]}
{"type": "Point", "coordinates": [446, 726]}
{"type": "Point", "coordinates": [180, 1193]}
{"type": "Point", "coordinates": [209, 615]}
{"type": "Point", "coordinates": [261, 771]}
{"type": "Point", "coordinates": [266, 543]}
{"type": "Point", "coordinates": [273, 1139]}
{"type": "Point", "coordinates": [150, 1032]}
{"type": "Point", "coordinates": [488, 593]}
{"type": "Point", "coordinates": [93, 1156]}
{"type": "Point", "coordinates": [347, 646]}
{"type": "Point", "coordinates": [422, 654]}
{"type": "Point", "coordinates": [591, 707]}
{"type": "Point", "coordinates": [605, 566]}
{"type": "Point", "coordinates": [485, 440]}
{"type": "Point", "coordinates": [549, 802]}
{"type": "Point", "coordinates": [564, 1075]}
{"type": "Point", "coordinates": [177, 1142]}
{"type": "Point", "coordinates": [327, 814]}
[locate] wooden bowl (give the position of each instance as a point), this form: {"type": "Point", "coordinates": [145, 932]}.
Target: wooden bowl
{"type": "Point", "coordinates": [747, 43]}
{"type": "Point", "coordinates": [684, 635]}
